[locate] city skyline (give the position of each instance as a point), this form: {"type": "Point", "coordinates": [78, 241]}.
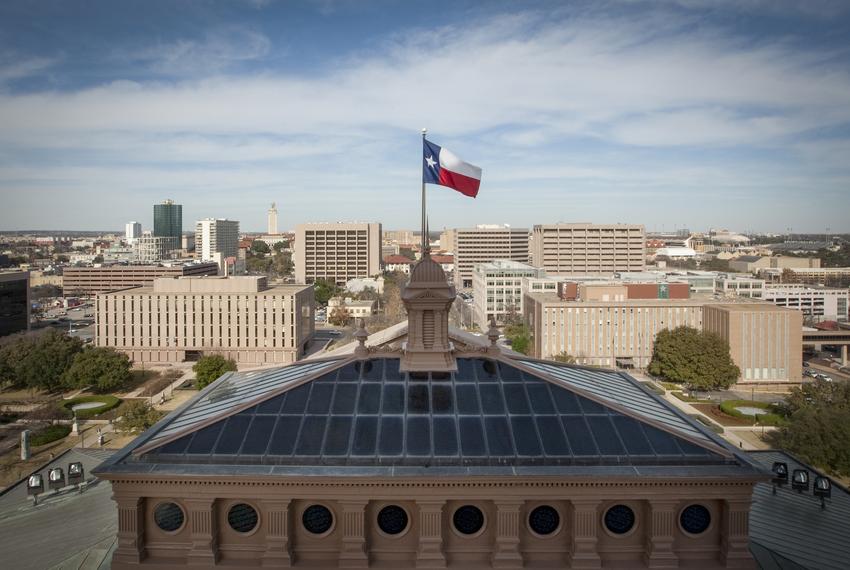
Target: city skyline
{"type": "Point", "coordinates": [672, 114]}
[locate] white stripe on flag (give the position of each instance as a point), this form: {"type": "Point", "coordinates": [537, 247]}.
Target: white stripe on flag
{"type": "Point", "coordinates": [450, 161]}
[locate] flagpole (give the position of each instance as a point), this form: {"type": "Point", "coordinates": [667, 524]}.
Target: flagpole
{"type": "Point", "coordinates": [424, 236]}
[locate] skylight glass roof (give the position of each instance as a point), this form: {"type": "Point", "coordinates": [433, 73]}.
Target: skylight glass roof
{"type": "Point", "coordinates": [368, 413]}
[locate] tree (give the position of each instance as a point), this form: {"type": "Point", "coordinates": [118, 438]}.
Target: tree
{"type": "Point", "coordinates": [519, 336]}
{"type": "Point", "coordinates": [258, 264]}
{"type": "Point", "coordinates": [209, 368]}
{"type": "Point", "coordinates": [137, 417]}
{"type": "Point", "coordinates": [565, 358]}
{"type": "Point", "coordinates": [282, 264]}
{"type": "Point", "coordinates": [340, 316]}
{"type": "Point", "coordinates": [324, 290]}
{"type": "Point", "coordinates": [260, 248]}
{"type": "Point", "coordinates": [698, 359]}
{"type": "Point", "coordinates": [98, 259]}
{"type": "Point", "coordinates": [368, 294]}
{"type": "Point", "coordinates": [818, 426]}
{"type": "Point", "coordinates": [105, 369]}
{"type": "Point", "coordinates": [39, 361]}
{"type": "Point", "coordinates": [279, 246]}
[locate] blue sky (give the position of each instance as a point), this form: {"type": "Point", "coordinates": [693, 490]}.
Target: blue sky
{"type": "Point", "coordinates": [679, 113]}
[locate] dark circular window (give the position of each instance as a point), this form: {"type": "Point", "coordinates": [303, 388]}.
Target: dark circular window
{"type": "Point", "coordinates": [317, 519]}
{"type": "Point", "coordinates": [242, 518]}
{"type": "Point", "coordinates": [468, 519]}
{"type": "Point", "coordinates": [619, 519]}
{"type": "Point", "coordinates": [695, 519]}
{"type": "Point", "coordinates": [168, 516]}
{"type": "Point", "coordinates": [392, 519]}
{"type": "Point", "coordinates": [544, 520]}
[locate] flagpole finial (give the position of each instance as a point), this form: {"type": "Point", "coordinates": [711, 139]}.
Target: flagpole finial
{"type": "Point", "coordinates": [424, 132]}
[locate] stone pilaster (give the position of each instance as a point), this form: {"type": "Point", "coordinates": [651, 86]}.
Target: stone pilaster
{"type": "Point", "coordinates": [583, 550]}
{"type": "Point", "coordinates": [353, 552]}
{"type": "Point", "coordinates": [278, 552]}
{"type": "Point", "coordinates": [658, 551]}
{"type": "Point", "coordinates": [506, 552]}
{"type": "Point", "coordinates": [131, 530]}
{"type": "Point", "coordinates": [203, 532]}
{"type": "Point", "coordinates": [430, 553]}
{"type": "Point", "coordinates": [735, 534]}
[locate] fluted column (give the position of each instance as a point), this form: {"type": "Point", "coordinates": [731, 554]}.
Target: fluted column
{"type": "Point", "coordinates": [278, 552]}
{"type": "Point", "coordinates": [659, 536]}
{"type": "Point", "coordinates": [353, 553]}
{"type": "Point", "coordinates": [203, 531]}
{"type": "Point", "coordinates": [735, 534]}
{"type": "Point", "coordinates": [430, 553]}
{"type": "Point", "coordinates": [506, 552]}
{"type": "Point", "coordinates": [583, 551]}
{"type": "Point", "coordinates": [131, 530]}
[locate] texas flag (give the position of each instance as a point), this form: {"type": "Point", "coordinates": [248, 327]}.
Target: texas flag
{"type": "Point", "coordinates": [443, 167]}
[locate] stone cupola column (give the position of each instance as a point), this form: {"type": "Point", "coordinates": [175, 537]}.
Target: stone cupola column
{"type": "Point", "coordinates": [735, 534]}
{"type": "Point", "coordinates": [430, 553]}
{"type": "Point", "coordinates": [353, 552]}
{"type": "Point", "coordinates": [278, 545]}
{"type": "Point", "coordinates": [583, 550]}
{"type": "Point", "coordinates": [131, 530]}
{"type": "Point", "coordinates": [506, 552]}
{"type": "Point", "coordinates": [203, 531]}
{"type": "Point", "coordinates": [659, 534]}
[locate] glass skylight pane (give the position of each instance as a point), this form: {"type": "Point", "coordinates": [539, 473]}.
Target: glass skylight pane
{"type": "Point", "coordinates": [205, 439]}
{"type": "Point", "coordinates": [441, 398]}
{"type": "Point", "coordinates": [344, 399]}
{"type": "Point", "coordinates": [472, 437]}
{"type": "Point", "coordinates": [338, 436]}
{"type": "Point", "coordinates": [491, 399]}
{"type": "Point", "coordinates": [233, 435]}
{"type": "Point", "coordinates": [578, 435]}
{"type": "Point", "coordinates": [392, 435]}
{"type": "Point", "coordinates": [419, 436]}
{"type": "Point", "coordinates": [365, 434]}
{"type": "Point", "coordinates": [498, 436]}
{"type": "Point", "coordinates": [605, 435]}
{"type": "Point", "coordinates": [296, 399]}
{"type": "Point", "coordinates": [632, 435]}
{"type": "Point", "coordinates": [312, 435]}
{"type": "Point", "coordinates": [467, 399]}
{"type": "Point", "coordinates": [393, 399]}
{"type": "Point", "coordinates": [370, 399]}
{"type": "Point", "coordinates": [541, 400]}
{"type": "Point", "coordinates": [259, 435]}
{"type": "Point", "coordinates": [552, 435]}
{"type": "Point", "coordinates": [525, 436]}
{"type": "Point", "coordinates": [516, 399]}
{"type": "Point", "coordinates": [418, 400]}
{"type": "Point", "coordinates": [285, 434]}
{"type": "Point", "coordinates": [445, 436]}
{"type": "Point", "coordinates": [320, 398]}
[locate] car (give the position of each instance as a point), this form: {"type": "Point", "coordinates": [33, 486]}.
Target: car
{"type": "Point", "coordinates": [88, 315]}
{"type": "Point", "coordinates": [806, 364]}
{"type": "Point", "coordinates": [809, 373]}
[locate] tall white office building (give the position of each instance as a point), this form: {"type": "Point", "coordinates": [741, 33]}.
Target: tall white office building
{"type": "Point", "coordinates": [132, 231]}
{"type": "Point", "coordinates": [272, 220]}
{"type": "Point", "coordinates": [216, 239]}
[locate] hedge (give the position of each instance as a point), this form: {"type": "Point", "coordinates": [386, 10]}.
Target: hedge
{"type": "Point", "coordinates": [652, 387]}
{"type": "Point", "coordinates": [109, 402]}
{"type": "Point", "coordinates": [716, 428]}
{"type": "Point", "coordinates": [49, 434]}
{"type": "Point", "coordinates": [771, 418]}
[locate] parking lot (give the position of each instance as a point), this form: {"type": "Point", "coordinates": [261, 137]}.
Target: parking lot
{"type": "Point", "coordinates": [77, 321]}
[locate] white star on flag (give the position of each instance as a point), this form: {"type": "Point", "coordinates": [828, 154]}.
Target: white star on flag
{"type": "Point", "coordinates": [431, 162]}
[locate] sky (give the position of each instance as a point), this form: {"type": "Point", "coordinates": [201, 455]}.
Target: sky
{"type": "Point", "coordinates": [672, 113]}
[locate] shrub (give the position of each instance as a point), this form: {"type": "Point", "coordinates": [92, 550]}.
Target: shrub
{"type": "Point", "coordinates": [109, 402]}
{"type": "Point", "coordinates": [137, 417]}
{"type": "Point", "coordinates": [49, 434]}
{"type": "Point", "coordinates": [772, 418]}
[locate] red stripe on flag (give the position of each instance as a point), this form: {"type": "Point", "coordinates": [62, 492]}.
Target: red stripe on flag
{"type": "Point", "coordinates": [463, 184]}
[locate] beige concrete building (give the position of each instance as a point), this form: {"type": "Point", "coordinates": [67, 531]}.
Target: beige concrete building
{"type": "Point", "coordinates": [337, 251]}
{"type": "Point", "coordinates": [216, 239]}
{"type": "Point", "coordinates": [562, 249]}
{"type": "Point", "coordinates": [88, 281]}
{"type": "Point", "coordinates": [765, 341]}
{"type": "Point", "coordinates": [485, 243]}
{"type": "Point", "coordinates": [180, 319]}
{"type": "Point", "coordinates": [826, 276]}
{"type": "Point", "coordinates": [400, 237]}
{"type": "Point", "coordinates": [426, 447]}
{"type": "Point", "coordinates": [739, 286]}
{"type": "Point", "coordinates": [753, 263]}
{"type": "Point", "coordinates": [356, 308]}
{"type": "Point", "coordinates": [497, 290]}
{"type": "Point", "coordinates": [153, 249]}
{"type": "Point", "coordinates": [816, 303]}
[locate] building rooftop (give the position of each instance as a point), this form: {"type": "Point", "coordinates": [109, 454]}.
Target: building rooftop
{"type": "Point", "coordinates": [502, 264]}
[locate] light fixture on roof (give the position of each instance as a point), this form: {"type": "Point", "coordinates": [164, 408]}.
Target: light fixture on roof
{"type": "Point", "coordinates": [780, 474]}
{"type": "Point", "coordinates": [822, 489]}
{"type": "Point", "coordinates": [800, 480]}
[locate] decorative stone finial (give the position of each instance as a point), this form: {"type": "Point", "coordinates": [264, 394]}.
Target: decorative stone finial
{"type": "Point", "coordinates": [360, 336]}
{"type": "Point", "coordinates": [493, 334]}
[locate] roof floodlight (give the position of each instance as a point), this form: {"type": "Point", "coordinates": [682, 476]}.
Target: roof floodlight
{"type": "Point", "coordinates": [800, 480]}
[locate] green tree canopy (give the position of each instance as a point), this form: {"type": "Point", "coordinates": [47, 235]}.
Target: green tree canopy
{"type": "Point", "coordinates": [520, 337]}
{"type": "Point", "coordinates": [105, 369]}
{"type": "Point", "coordinates": [818, 426]}
{"type": "Point", "coordinates": [565, 358]}
{"type": "Point", "coordinates": [324, 290]}
{"type": "Point", "coordinates": [137, 416]}
{"type": "Point", "coordinates": [209, 368]}
{"type": "Point", "coordinates": [259, 247]}
{"type": "Point", "coordinates": [340, 316]}
{"type": "Point", "coordinates": [696, 358]}
{"type": "Point", "coordinates": [279, 245]}
{"type": "Point", "coordinates": [38, 361]}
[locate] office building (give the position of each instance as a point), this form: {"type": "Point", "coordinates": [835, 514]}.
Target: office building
{"type": "Point", "coordinates": [754, 263]}
{"type": "Point", "coordinates": [337, 252]}
{"type": "Point", "coordinates": [216, 239]}
{"type": "Point", "coordinates": [824, 276]}
{"type": "Point", "coordinates": [739, 286]}
{"type": "Point", "coordinates": [816, 303]}
{"type": "Point", "coordinates": [179, 319]}
{"type": "Point", "coordinates": [14, 302]}
{"type": "Point", "coordinates": [153, 249]}
{"type": "Point", "coordinates": [562, 249]}
{"type": "Point", "coordinates": [497, 290]}
{"type": "Point", "coordinates": [89, 281]}
{"type": "Point", "coordinates": [272, 227]}
{"type": "Point", "coordinates": [132, 231]}
{"type": "Point", "coordinates": [473, 457]}
{"type": "Point", "coordinates": [447, 240]}
{"type": "Point", "coordinates": [400, 237]}
{"type": "Point", "coordinates": [168, 219]}
{"type": "Point", "coordinates": [765, 341]}
{"type": "Point", "coordinates": [483, 244]}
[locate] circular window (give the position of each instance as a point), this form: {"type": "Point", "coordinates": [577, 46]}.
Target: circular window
{"type": "Point", "coordinates": [392, 519]}
{"type": "Point", "coordinates": [468, 519]}
{"type": "Point", "coordinates": [317, 519]}
{"type": "Point", "coordinates": [242, 518]}
{"type": "Point", "coordinates": [619, 519]}
{"type": "Point", "coordinates": [695, 519]}
{"type": "Point", "coordinates": [544, 520]}
{"type": "Point", "coordinates": [168, 516]}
